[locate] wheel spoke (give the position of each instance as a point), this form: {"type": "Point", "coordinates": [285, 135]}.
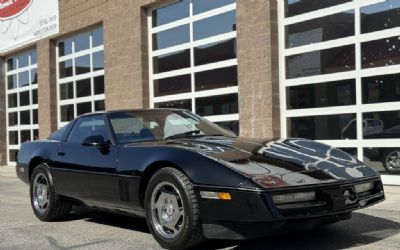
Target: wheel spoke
{"type": "Point", "coordinates": [171, 227]}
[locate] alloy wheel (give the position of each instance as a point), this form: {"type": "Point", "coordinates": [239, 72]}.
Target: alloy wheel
{"type": "Point", "coordinates": [167, 211]}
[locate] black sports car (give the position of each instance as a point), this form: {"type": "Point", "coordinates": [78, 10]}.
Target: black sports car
{"type": "Point", "coordinates": [192, 179]}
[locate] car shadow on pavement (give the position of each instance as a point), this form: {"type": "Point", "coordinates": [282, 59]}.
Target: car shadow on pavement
{"type": "Point", "coordinates": [109, 219]}
{"type": "Point", "coordinates": [361, 230]}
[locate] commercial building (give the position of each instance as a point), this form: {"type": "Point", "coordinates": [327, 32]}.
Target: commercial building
{"type": "Point", "coordinates": [324, 70]}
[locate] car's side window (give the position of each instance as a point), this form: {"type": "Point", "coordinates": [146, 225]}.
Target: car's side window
{"type": "Point", "coordinates": [132, 128]}
{"type": "Point", "coordinates": [88, 126]}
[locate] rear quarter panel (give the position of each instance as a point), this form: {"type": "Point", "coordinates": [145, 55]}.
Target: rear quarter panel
{"type": "Point", "coordinates": [32, 154]}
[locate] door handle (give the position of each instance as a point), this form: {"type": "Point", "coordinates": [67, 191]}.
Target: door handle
{"type": "Point", "coordinates": [60, 153]}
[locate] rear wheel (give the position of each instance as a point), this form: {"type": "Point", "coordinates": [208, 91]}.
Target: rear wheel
{"type": "Point", "coordinates": [172, 210]}
{"type": "Point", "coordinates": [46, 204]}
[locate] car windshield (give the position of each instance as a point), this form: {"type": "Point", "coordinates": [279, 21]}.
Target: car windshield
{"type": "Point", "coordinates": [153, 125]}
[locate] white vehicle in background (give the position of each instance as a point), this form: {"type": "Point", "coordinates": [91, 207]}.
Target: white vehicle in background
{"type": "Point", "coordinates": [370, 127]}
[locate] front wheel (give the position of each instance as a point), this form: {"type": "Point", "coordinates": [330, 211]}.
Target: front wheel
{"type": "Point", "coordinates": [391, 160]}
{"type": "Point", "coordinates": [172, 210]}
{"type": "Point", "coordinates": [46, 204]}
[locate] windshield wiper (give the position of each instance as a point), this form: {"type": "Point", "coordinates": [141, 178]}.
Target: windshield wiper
{"type": "Point", "coordinates": [184, 135]}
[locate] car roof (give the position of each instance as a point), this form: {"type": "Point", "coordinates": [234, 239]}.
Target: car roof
{"type": "Point", "coordinates": [131, 110]}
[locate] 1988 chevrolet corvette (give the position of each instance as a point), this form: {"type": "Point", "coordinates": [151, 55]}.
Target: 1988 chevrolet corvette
{"type": "Point", "coordinates": [190, 178]}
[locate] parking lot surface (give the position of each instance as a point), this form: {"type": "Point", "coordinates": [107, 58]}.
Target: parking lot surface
{"type": "Point", "coordinates": [372, 228]}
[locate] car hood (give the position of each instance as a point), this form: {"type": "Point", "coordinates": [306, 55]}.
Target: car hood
{"type": "Point", "coordinates": [280, 163]}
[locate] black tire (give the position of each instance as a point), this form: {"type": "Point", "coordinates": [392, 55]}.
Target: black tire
{"type": "Point", "coordinates": [191, 233]}
{"type": "Point", "coordinates": [387, 153]}
{"type": "Point", "coordinates": [57, 207]}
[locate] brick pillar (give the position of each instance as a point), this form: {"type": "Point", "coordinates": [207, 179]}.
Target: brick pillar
{"type": "Point", "coordinates": [3, 136]}
{"type": "Point", "coordinates": [47, 94]}
{"type": "Point", "coordinates": [257, 52]}
{"type": "Point", "coordinates": [125, 49]}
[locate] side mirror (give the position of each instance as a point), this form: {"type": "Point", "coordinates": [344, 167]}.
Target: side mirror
{"type": "Point", "coordinates": [95, 141]}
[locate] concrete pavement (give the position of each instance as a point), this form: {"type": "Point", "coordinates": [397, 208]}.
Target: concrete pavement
{"type": "Point", "coordinates": [377, 227]}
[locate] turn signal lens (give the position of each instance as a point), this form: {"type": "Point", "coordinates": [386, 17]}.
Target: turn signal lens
{"type": "Point", "coordinates": [215, 195]}
{"type": "Point", "coordinates": [224, 196]}
{"type": "Point", "coordinates": [294, 197]}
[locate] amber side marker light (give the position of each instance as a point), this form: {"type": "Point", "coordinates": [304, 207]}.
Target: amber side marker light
{"type": "Point", "coordinates": [215, 195]}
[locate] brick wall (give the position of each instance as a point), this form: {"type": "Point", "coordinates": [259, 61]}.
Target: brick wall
{"type": "Point", "coordinates": [126, 61]}
{"type": "Point", "coordinates": [258, 68]}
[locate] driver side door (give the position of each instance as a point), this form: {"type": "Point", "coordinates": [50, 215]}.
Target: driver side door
{"type": "Point", "coordinates": [88, 172]}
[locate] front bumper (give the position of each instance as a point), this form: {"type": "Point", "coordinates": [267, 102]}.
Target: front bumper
{"type": "Point", "coordinates": [253, 214]}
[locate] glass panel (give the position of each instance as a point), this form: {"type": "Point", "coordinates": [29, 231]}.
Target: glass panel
{"type": "Point", "coordinates": [65, 47]}
{"type": "Point", "coordinates": [97, 37]}
{"type": "Point", "coordinates": [83, 108]}
{"type": "Point", "coordinates": [217, 78]}
{"type": "Point", "coordinates": [25, 117]}
{"type": "Point", "coordinates": [82, 42]}
{"type": "Point", "coordinates": [12, 100]}
{"type": "Point", "coordinates": [65, 68]}
{"type": "Point", "coordinates": [34, 76]}
{"type": "Point", "coordinates": [171, 37]}
{"type": "Point", "coordinates": [83, 88]}
{"type": "Point", "coordinates": [324, 127]}
{"type": "Point", "coordinates": [82, 64]}
{"type": "Point", "coordinates": [383, 52]}
{"type": "Point", "coordinates": [297, 7]}
{"type": "Point", "coordinates": [13, 155]}
{"type": "Point", "coordinates": [13, 119]}
{"type": "Point", "coordinates": [35, 134]}
{"type": "Point", "coordinates": [12, 81]}
{"type": "Point", "coordinates": [180, 104]}
{"type": "Point", "coordinates": [172, 85]}
{"type": "Point", "coordinates": [215, 25]}
{"type": "Point", "coordinates": [23, 60]}
{"type": "Point", "coordinates": [215, 52]}
{"type": "Point", "coordinates": [383, 160]}
{"type": "Point", "coordinates": [11, 64]}
{"type": "Point", "coordinates": [35, 117]}
{"type": "Point", "coordinates": [67, 113]}
{"type": "Point", "coordinates": [99, 105]}
{"type": "Point", "coordinates": [319, 95]}
{"type": "Point", "coordinates": [381, 16]}
{"type": "Point", "coordinates": [232, 126]}
{"type": "Point", "coordinates": [67, 91]}
{"type": "Point", "coordinates": [13, 137]}
{"type": "Point", "coordinates": [171, 13]}
{"type": "Point", "coordinates": [217, 105]}
{"type": "Point", "coordinates": [172, 61]}
{"type": "Point", "coordinates": [23, 79]}
{"type": "Point", "coordinates": [98, 60]}
{"type": "Point", "coordinates": [33, 57]}
{"type": "Point", "coordinates": [320, 29]}
{"type": "Point", "coordinates": [25, 136]}
{"type": "Point", "coordinates": [378, 89]}
{"type": "Point", "coordinates": [99, 85]}
{"type": "Point", "coordinates": [24, 99]}
{"type": "Point", "coordinates": [321, 62]}
{"type": "Point", "coordinates": [200, 6]}
{"type": "Point", "coordinates": [35, 96]}
{"type": "Point", "coordinates": [88, 126]}
{"type": "Point", "coordinates": [381, 125]}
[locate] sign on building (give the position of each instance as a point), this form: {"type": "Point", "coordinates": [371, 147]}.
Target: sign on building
{"type": "Point", "coordinates": [25, 21]}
